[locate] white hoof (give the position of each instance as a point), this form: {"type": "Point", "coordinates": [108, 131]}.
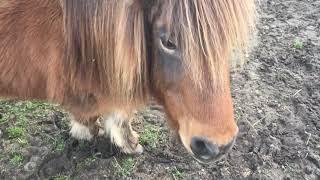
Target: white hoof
{"type": "Point", "coordinates": [139, 149]}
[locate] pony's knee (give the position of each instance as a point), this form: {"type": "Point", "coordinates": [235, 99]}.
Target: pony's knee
{"type": "Point", "coordinates": [80, 131]}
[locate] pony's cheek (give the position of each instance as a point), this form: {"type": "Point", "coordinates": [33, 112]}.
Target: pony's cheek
{"type": "Point", "coordinates": [174, 108]}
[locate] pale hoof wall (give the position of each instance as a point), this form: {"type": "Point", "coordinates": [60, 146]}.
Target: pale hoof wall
{"type": "Point", "coordinates": [139, 150]}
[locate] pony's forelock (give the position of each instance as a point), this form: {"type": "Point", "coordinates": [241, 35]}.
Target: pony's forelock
{"type": "Point", "coordinates": [207, 32]}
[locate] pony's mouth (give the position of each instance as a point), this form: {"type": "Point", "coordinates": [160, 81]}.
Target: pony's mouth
{"type": "Point", "coordinates": [208, 159]}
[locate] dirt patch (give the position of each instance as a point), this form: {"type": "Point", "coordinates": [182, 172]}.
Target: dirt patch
{"type": "Point", "coordinates": [277, 104]}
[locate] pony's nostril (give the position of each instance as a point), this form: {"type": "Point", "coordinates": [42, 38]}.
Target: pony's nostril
{"type": "Point", "coordinates": [204, 149]}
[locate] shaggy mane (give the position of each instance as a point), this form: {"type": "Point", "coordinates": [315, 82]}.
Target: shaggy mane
{"type": "Point", "coordinates": [105, 47]}
{"type": "Point", "coordinates": [207, 31]}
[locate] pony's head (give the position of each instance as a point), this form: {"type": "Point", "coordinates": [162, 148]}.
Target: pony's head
{"type": "Point", "coordinates": [192, 42]}
{"type": "Point", "coordinates": [174, 50]}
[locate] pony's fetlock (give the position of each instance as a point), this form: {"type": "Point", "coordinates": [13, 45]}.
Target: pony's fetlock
{"type": "Point", "coordinates": [80, 131]}
{"type": "Point", "coordinates": [118, 128]}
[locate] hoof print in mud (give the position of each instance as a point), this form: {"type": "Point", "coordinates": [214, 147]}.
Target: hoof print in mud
{"type": "Point", "coordinates": [54, 166]}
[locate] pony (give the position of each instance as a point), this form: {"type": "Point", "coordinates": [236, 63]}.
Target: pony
{"type": "Point", "coordinates": [103, 59]}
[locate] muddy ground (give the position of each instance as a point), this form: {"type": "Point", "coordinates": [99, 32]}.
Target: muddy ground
{"type": "Point", "coordinates": [277, 104]}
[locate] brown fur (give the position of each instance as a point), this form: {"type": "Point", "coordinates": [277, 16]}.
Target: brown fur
{"type": "Point", "coordinates": [92, 56]}
{"type": "Point", "coordinates": [61, 53]}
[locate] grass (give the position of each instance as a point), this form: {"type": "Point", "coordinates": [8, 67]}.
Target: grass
{"type": "Point", "coordinates": [22, 111]}
{"type": "Point", "coordinates": [15, 132]}
{"type": "Point", "coordinates": [16, 159]}
{"type": "Point", "coordinates": [61, 177]}
{"type": "Point", "coordinates": [151, 136]}
{"type": "Point", "coordinates": [125, 168]}
{"type": "Point", "coordinates": [58, 143]}
{"type": "Point", "coordinates": [298, 44]}
{"type": "Point", "coordinates": [89, 161]}
{"type": "Point", "coordinates": [86, 163]}
{"type": "Point", "coordinates": [18, 135]}
{"type": "Point", "coordinates": [22, 141]}
{"type": "Point", "coordinates": [177, 174]}
{"type": "Point", "coordinates": [21, 120]}
{"type": "Point", "coordinates": [19, 116]}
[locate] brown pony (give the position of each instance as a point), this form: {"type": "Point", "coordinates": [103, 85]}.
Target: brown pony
{"type": "Point", "coordinates": [107, 58]}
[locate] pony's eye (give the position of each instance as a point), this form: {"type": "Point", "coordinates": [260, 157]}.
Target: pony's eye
{"type": "Point", "coordinates": [171, 45]}
{"type": "Point", "coordinates": [168, 43]}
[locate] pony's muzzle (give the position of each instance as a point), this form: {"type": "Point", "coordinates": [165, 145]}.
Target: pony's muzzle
{"type": "Point", "coordinates": [206, 151]}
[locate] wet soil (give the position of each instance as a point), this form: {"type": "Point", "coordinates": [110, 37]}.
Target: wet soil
{"type": "Point", "coordinates": [277, 104]}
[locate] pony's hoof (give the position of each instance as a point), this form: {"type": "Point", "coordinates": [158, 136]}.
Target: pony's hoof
{"type": "Point", "coordinates": [132, 151]}
{"type": "Point", "coordinates": [139, 149]}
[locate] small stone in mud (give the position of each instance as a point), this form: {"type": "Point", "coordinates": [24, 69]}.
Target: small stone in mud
{"type": "Point", "coordinates": [44, 150]}
{"type": "Point", "coordinates": [30, 166]}
{"type": "Point", "coordinates": [35, 159]}
{"type": "Point", "coordinates": [308, 170]}
{"type": "Point", "coordinates": [35, 141]}
{"type": "Point", "coordinates": [246, 172]}
{"type": "Point", "coordinates": [33, 149]}
{"type": "Point", "coordinates": [225, 171]}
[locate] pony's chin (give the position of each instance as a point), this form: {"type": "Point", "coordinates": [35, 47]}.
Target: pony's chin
{"type": "Point", "coordinates": [207, 161]}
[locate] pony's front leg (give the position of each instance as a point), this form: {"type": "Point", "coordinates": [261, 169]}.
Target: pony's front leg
{"type": "Point", "coordinates": [118, 127]}
{"type": "Point", "coordinates": [84, 129]}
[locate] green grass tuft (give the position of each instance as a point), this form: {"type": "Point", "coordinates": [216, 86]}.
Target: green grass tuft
{"type": "Point", "coordinates": [59, 144]}
{"type": "Point", "coordinates": [23, 141]}
{"type": "Point", "coordinates": [125, 168]}
{"type": "Point", "coordinates": [177, 174]}
{"type": "Point", "coordinates": [298, 44]}
{"type": "Point", "coordinates": [86, 163]}
{"type": "Point", "coordinates": [16, 159]}
{"type": "Point", "coordinates": [61, 177]}
{"type": "Point", "coordinates": [15, 132]}
{"type": "Point", "coordinates": [151, 136]}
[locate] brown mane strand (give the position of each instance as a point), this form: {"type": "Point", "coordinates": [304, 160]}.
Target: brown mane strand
{"type": "Point", "coordinates": [105, 47]}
